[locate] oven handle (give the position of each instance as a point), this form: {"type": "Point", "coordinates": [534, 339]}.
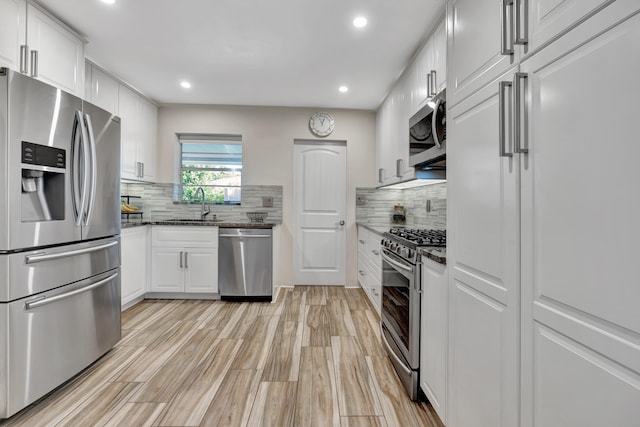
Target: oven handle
{"type": "Point", "coordinates": [393, 354]}
{"type": "Point", "coordinates": [396, 263]}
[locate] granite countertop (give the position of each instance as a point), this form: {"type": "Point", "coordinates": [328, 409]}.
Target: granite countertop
{"type": "Point", "coordinates": [379, 228]}
{"type": "Point", "coordinates": [195, 222]}
{"type": "Point", "coordinates": [438, 255]}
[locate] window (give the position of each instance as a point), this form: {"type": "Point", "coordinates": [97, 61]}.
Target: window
{"type": "Point", "coordinates": [213, 162]}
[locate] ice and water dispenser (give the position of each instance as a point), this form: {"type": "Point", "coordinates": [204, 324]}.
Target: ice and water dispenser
{"type": "Point", "coordinates": [43, 182]}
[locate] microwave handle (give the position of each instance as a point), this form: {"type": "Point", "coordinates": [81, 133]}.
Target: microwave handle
{"type": "Point", "coordinates": [434, 127]}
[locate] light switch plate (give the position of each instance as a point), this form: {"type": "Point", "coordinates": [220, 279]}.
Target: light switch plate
{"type": "Point", "coordinates": [267, 202]}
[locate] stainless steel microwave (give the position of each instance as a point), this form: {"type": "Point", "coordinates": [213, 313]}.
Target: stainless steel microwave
{"type": "Point", "coordinates": [428, 133]}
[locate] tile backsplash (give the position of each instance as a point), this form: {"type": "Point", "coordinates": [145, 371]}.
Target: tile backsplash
{"type": "Point", "coordinates": [157, 202]}
{"type": "Point", "coordinates": [380, 202]}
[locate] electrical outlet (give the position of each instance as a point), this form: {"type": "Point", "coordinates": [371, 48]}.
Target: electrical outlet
{"type": "Point", "coordinates": [267, 202]}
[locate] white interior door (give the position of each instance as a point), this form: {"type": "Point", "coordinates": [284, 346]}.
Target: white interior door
{"type": "Point", "coordinates": [320, 198]}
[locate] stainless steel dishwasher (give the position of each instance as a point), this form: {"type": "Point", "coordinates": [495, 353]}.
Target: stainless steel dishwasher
{"type": "Point", "coordinates": [245, 264]}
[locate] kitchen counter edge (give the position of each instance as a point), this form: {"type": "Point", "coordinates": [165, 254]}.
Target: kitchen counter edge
{"type": "Point", "coordinates": [221, 224]}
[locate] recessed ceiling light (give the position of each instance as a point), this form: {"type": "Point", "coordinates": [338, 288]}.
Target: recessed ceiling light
{"type": "Point", "coordinates": [185, 84]}
{"type": "Point", "coordinates": [108, 1]}
{"type": "Point", "coordinates": [343, 89]}
{"type": "Point", "coordinates": [360, 22]}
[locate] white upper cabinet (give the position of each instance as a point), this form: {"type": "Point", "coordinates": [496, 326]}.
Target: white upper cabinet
{"type": "Point", "coordinates": [56, 55]}
{"type": "Point", "coordinates": [138, 135]}
{"type": "Point", "coordinates": [409, 93]}
{"type": "Point", "coordinates": [101, 89]}
{"type": "Point", "coordinates": [13, 31]}
{"type": "Point", "coordinates": [33, 43]}
{"type": "Point", "coordinates": [486, 37]}
{"type": "Point", "coordinates": [475, 50]}
{"type": "Point", "coordinates": [428, 71]}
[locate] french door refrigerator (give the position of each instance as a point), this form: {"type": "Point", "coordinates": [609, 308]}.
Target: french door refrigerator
{"type": "Point", "coordinates": [59, 237]}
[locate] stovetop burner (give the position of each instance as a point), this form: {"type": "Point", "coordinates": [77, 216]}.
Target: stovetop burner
{"type": "Point", "coordinates": [421, 237]}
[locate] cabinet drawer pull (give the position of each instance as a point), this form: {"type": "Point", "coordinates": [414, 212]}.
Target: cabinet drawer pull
{"type": "Point", "coordinates": [186, 260]}
{"type": "Point", "coordinates": [434, 87]}
{"type": "Point", "coordinates": [181, 259]}
{"type": "Point", "coordinates": [361, 241]}
{"type": "Point", "coordinates": [23, 58]}
{"type": "Point", "coordinates": [362, 273]}
{"type": "Point", "coordinates": [376, 253]}
{"type": "Point", "coordinates": [522, 22]}
{"type": "Point", "coordinates": [519, 117]}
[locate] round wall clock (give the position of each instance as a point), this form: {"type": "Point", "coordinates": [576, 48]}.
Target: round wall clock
{"type": "Point", "coordinates": [321, 124]}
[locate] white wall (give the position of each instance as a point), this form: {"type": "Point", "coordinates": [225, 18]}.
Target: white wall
{"type": "Point", "coordinates": [268, 134]}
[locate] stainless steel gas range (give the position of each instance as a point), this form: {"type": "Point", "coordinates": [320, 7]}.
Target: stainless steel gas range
{"type": "Point", "coordinates": [401, 288]}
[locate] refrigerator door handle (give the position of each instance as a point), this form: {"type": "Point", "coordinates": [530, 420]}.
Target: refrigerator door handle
{"type": "Point", "coordinates": [43, 300]}
{"type": "Point", "coordinates": [78, 169]}
{"type": "Point", "coordinates": [40, 257]}
{"type": "Point", "coordinates": [91, 171]}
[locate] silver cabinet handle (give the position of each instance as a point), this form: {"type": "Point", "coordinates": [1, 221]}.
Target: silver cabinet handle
{"type": "Point", "coordinates": [181, 253]}
{"type": "Point", "coordinates": [502, 88]}
{"type": "Point", "coordinates": [245, 236]}
{"type": "Point", "coordinates": [186, 260]}
{"type": "Point", "coordinates": [24, 49]}
{"type": "Point", "coordinates": [376, 253]}
{"type": "Point", "coordinates": [399, 168]}
{"type": "Point", "coordinates": [433, 83]}
{"type": "Point", "coordinates": [361, 241]}
{"type": "Point", "coordinates": [519, 118]}
{"type": "Point", "coordinates": [380, 175]}
{"type": "Point", "coordinates": [428, 84]}
{"type": "Point", "coordinates": [362, 273]}
{"type": "Point", "coordinates": [522, 22]}
{"type": "Point", "coordinates": [34, 63]}
{"type": "Point", "coordinates": [506, 35]}
{"type": "Point", "coordinates": [141, 169]}
{"type": "Point", "coordinates": [30, 259]}
{"type": "Point", "coordinates": [43, 300]}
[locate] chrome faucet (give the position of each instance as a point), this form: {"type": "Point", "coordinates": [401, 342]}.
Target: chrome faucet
{"type": "Point", "coordinates": [203, 212]}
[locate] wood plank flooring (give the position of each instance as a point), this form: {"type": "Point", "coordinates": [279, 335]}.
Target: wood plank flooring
{"type": "Point", "coordinates": [313, 358]}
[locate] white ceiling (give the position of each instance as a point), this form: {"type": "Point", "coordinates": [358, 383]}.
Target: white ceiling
{"type": "Point", "coordinates": [254, 52]}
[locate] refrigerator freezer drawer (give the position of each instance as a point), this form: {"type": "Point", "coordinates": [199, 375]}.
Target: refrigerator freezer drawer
{"type": "Point", "coordinates": [49, 338]}
{"type": "Point", "coordinates": [35, 271]}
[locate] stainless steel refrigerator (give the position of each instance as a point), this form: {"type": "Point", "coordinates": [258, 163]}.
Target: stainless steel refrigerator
{"type": "Point", "coordinates": [59, 237]}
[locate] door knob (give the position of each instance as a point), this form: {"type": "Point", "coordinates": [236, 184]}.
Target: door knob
{"type": "Point", "coordinates": [342, 222]}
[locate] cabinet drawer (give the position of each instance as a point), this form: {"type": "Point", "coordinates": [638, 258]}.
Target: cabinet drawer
{"type": "Point", "coordinates": [184, 236]}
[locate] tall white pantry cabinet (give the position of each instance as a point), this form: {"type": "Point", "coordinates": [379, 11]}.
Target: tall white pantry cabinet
{"type": "Point", "coordinates": [544, 287]}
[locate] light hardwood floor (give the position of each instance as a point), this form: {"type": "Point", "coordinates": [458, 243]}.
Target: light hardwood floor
{"type": "Point", "coordinates": [313, 358]}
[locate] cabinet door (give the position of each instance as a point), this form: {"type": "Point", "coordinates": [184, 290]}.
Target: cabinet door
{"type": "Point", "coordinates": [201, 270]}
{"type": "Point", "coordinates": [147, 147]}
{"type": "Point", "coordinates": [385, 156]}
{"type": "Point", "coordinates": [129, 132]}
{"type": "Point", "coordinates": [549, 18]}
{"type": "Point", "coordinates": [104, 91]}
{"type": "Point", "coordinates": [474, 47]}
{"type": "Point", "coordinates": [433, 336]}
{"type": "Point", "coordinates": [60, 52]}
{"type": "Point", "coordinates": [13, 14]}
{"type": "Point", "coordinates": [439, 46]}
{"type": "Point", "coordinates": [580, 229]}
{"type": "Point", "coordinates": [134, 263]}
{"type": "Point", "coordinates": [423, 67]}
{"type": "Point", "coordinates": [167, 270]}
{"type": "Point", "coordinates": [483, 194]}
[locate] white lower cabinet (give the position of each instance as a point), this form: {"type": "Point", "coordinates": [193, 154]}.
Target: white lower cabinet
{"type": "Point", "coordinates": [433, 335]}
{"type": "Point", "coordinates": [370, 266]}
{"type": "Point", "coordinates": [134, 248]}
{"type": "Point", "coordinates": [184, 259]}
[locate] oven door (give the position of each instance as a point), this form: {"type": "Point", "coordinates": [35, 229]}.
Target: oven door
{"type": "Point", "coordinates": [401, 306]}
